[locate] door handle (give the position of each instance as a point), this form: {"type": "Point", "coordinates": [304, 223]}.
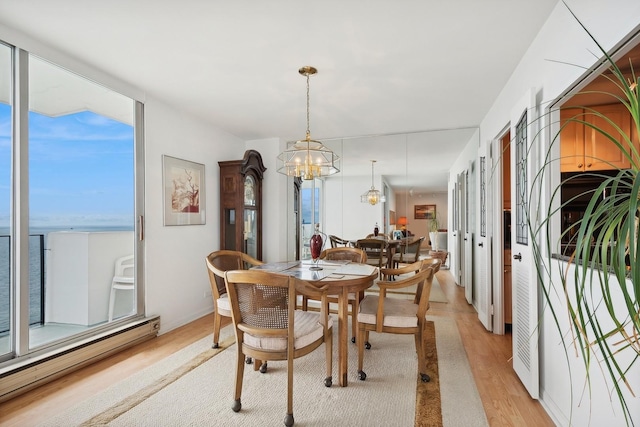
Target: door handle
{"type": "Point", "coordinates": [518, 257]}
{"type": "Point", "coordinates": [481, 244]}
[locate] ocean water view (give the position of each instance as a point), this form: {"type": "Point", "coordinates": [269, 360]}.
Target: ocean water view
{"type": "Point", "coordinates": [37, 246]}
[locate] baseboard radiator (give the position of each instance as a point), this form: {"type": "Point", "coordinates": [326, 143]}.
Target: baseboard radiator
{"type": "Point", "coordinates": [25, 376]}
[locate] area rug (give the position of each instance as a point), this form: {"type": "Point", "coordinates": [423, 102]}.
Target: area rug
{"type": "Point", "coordinates": [194, 387]}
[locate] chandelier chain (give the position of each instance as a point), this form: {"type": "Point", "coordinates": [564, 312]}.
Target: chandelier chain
{"type": "Point", "coordinates": [372, 162]}
{"type": "Point", "coordinates": [308, 130]}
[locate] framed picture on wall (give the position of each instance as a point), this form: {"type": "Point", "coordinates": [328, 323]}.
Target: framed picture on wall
{"type": "Point", "coordinates": [183, 183]}
{"type": "Point", "coordinates": [424, 211]}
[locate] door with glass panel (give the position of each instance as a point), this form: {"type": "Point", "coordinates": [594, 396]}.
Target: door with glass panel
{"type": "Point", "coordinates": [483, 288]}
{"type": "Point", "coordinates": [468, 225]}
{"type": "Point", "coordinates": [523, 207]}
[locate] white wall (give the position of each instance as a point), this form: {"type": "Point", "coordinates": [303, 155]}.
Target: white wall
{"type": "Point", "coordinates": [562, 39]}
{"type": "Point", "coordinates": [176, 279]}
{"type": "Point", "coordinates": [561, 373]}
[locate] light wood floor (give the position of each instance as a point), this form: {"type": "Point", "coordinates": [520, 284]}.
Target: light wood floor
{"type": "Point", "coordinates": [505, 400]}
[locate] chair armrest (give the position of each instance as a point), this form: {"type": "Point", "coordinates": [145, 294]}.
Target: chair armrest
{"type": "Point", "coordinates": [399, 284]}
{"type": "Point", "coordinates": [250, 261]}
{"type": "Point", "coordinates": [414, 267]}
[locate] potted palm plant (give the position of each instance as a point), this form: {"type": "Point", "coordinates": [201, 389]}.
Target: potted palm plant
{"type": "Point", "coordinates": [601, 278]}
{"type": "Point", "coordinates": [434, 226]}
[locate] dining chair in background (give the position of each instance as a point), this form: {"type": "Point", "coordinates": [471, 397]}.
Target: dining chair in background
{"type": "Point", "coordinates": [218, 262]}
{"type": "Point", "coordinates": [337, 242]}
{"type": "Point", "coordinates": [382, 314]}
{"type": "Point", "coordinates": [409, 252]}
{"type": "Point", "coordinates": [344, 254]}
{"type": "Point", "coordinates": [268, 327]}
{"type": "Point", "coordinates": [375, 250]}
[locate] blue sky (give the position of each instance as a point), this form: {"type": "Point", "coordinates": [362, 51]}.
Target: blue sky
{"type": "Point", "coordinates": [81, 170]}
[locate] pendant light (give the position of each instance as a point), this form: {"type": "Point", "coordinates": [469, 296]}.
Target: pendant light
{"type": "Point", "coordinates": [373, 196]}
{"type": "Point", "coordinates": [308, 158]}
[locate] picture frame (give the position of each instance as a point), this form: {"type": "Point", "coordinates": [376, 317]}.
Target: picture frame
{"type": "Point", "coordinates": [183, 192]}
{"type": "Point", "coordinates": [424, 211]}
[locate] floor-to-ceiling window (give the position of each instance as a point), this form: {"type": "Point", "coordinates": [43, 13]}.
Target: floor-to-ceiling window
{"type": "Point", "coordinates": [68, 197]}
{"type": "Point", "coordinates": [5, 199]}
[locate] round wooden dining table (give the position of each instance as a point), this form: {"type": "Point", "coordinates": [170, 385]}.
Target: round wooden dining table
{"type": "Point", "coordinates": [340, 278]}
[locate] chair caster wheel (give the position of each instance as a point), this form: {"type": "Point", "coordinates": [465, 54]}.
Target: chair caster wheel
{"type": "Point", "coordinates": [362, 376]}
{"type": "Point", "coordinates": [236, 406]}
{"type": "Point", "coordinates": [353, 339]}
{"type": "Point", "coordinates": [367, 345]}
{"type": "Point", "coordinates": [215, 345]}
{"type": "Point", "coordinates": [288, 420]}
{"type": "Point", "coordinates": [328, 382]}
{"type": "Point", "coordinates": [248, 361]}
{"type": "Point", "coordinates": [263, 368]}
{"type": "Point", "coordinates": [425, 378]}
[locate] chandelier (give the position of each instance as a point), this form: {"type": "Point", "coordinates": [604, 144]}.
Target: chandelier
{"type": "Point", "coordinates": [373, 196]}
{"type": "Point", "coordinates": [308, 158]}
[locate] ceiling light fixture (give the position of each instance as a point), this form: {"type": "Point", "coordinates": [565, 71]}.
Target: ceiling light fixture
{"type": "Point", "coordinates": [308, 158]}
{"type": "Point", "coordinates": [373, 196]}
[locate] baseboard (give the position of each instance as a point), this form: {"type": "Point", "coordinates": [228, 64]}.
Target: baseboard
{"type": "Point", "coordinates": [24, 376]}
{"type": "Point", "coordinates": [176, 323]}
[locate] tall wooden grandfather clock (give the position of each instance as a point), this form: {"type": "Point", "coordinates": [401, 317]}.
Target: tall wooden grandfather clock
{"type": "Point", "coordinates": [241, 204]}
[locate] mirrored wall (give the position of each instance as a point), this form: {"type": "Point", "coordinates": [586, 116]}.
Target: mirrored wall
{"type": "Point", "coordinates": [411, 170]}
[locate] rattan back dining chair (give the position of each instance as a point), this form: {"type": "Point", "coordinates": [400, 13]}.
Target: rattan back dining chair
{"type": "Point", "coordinates": [218, 262]}
{"type": "Point", "coordinates": [380, 313]}
{"type": "Point", "coordinates": [268, 327]}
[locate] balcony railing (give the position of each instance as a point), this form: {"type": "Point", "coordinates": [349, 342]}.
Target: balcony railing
{"type": "Point", "coordinates": [36, 281]}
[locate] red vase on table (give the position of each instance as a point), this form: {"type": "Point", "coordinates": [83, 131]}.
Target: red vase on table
{"type": "Point", "coordinates": [315, 244]}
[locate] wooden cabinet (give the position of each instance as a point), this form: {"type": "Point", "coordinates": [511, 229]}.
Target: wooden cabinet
{"type": "Point", "coordinates": [241, 204]}
{"type": "Point", "coordinates": [583, 149]}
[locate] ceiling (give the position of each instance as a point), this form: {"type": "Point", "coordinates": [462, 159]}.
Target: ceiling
{"type": "Point", "coordinates": [384, 66]}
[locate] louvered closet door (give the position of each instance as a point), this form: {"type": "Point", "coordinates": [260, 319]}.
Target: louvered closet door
{"type": "Point", "coordinates": [468, 238]}
{"type": "Point", "coordinates": [525, 308]}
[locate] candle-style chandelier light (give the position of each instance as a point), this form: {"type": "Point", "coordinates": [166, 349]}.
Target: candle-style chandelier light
{"type": "Point", "coordinates": [308, 158]}
{"type": "Point", "coordinates": [373, 196]}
